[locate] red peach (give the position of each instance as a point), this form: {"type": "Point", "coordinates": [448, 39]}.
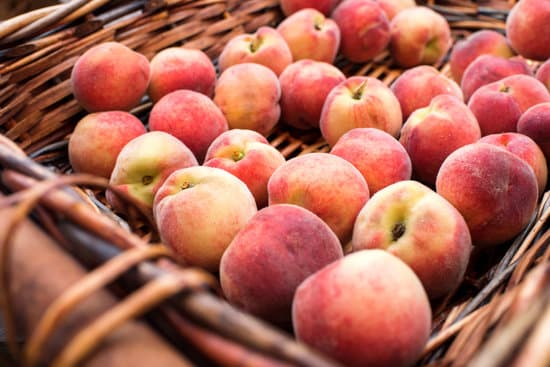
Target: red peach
{"type": "Point", "coordinates": [392, 7]}
{"type": "Point", "coordinates": [262, 279]}
{"type": "Point", "coordinates": [181, 68]}
{"type": "Point", "coordinates": [191, 117]}
{"type": "Point", "coordinates": [535, 123]}
{"type": "Point", "coordinates": [495, 191]}
{"type": "Point", "coordinates": [98, 138]}
{"type": "Point", "coordinates": [543, 73]}
{"type": "Point", "coordinates": [528, 29]}
{"type": "Point", "coordinates": [376, 154]}
{"type": "Point", "coordinates": [110, 76]}
{"type": "Point", "coordinates": [326, 7]}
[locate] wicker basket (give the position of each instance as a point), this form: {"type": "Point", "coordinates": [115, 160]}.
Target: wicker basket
{"type": "Point", "coordinates": [499, 316]}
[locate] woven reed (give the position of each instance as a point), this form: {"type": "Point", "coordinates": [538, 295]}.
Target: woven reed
{"type": "Point", "coordinates": [486, 322]}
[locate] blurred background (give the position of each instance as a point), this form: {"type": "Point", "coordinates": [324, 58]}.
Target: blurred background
{"type": "Point", "coordinates": [11, 8]}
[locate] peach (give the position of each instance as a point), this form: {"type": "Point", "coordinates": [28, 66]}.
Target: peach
{"type": "Point", "coordinates": [366, 309]}
{"type": "Point", "coordinates": [528, 29]}
{"type": "Point", "coordinates": [481, 42]}
{"type": "Point", "coordinates": [431, 133]}
{"type": "Point", "coordinates": [525, 148]}
{"type": "Point", "coordinates": [292, 6]}
{"type": "Point", "coordinates": [364, 27]}
{"type": "Point", "coordinates": [262, 279]}
{"type": "Point", "coordinates": [266, 46]}
{"type": "Point", "coordinates": [416, 87]}
{"type": "Point", "coordinates": [181, 68]}
{"type": "Point", "coordinates": [198, 211]}
{"type": "Point", "coordinates": [191, 117]}
{"type": "Point", "coordinates": [543, 73]}
{"type": "Point", "coordinates": [360, 101]}
{"type": "Point", "coordinates": [305, 85]}
{"type": "Point", "coordinates": [495, 191]}
{"type": "Point", "coordinates": [98, 138]}
{"type": "Point", "coordinates": [499, 105]}
{"type": "Point", "coordinates": [248, 94]}
{"type": "Point", "coordinates": [324, 183]}
{"type": "Point", "coordinates": [392, 7]}
{"type": "Point", "coordinates": [247, 155]}
{"type": "Point", "coordinates": [419, 35]}
{"type": "Point", "coordinates": [380, 158]}
{"type": "Point", "coordinates": [310, 35]}
{"type": "Point", "coordinates": [110, 76]}
{"type": "Point", "coordinates": [486, 69]}
{"type": "Point", "coordinates": [420, 227]}
{"type": "Point", "coordinates": [535, 123]}
{"type": "Point", "coordinates": [142, 166]}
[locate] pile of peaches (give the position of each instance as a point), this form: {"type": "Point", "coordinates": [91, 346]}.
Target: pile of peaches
{"type": "Point", "coordinates": [347, 247]}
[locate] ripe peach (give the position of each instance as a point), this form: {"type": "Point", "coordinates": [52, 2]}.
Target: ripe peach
{"type": "Point", "coordinates": [199, 210]}
{"type": "Point", "coordinates": [262, 279]}
{"type": "Point", "coordinates": [365, 29]}
{"type": "Point", "coordinates": [98, 138]}
{"type": "Point", "coordinates": [360, 101]}
{"type": "Point", "coordinates": [392, 7]}
{"type": "Point", "coordinates": [431, 133]}
{"type": "Point", "coordinates": [265, 46]}
{"type": "Point", "coordinates": [535, 123]}
{"type": "Point", "coordinates": [191, 117]}
{"type": "Point", "coordinates": [416, 87]}
{"type": "Point", "coordinates": [324, 6]}
{"type": "Point", "coordinates": [495, 191]}
{"type": "Point", "coordinates": [525, 148]}
{"type": "Point", "coordinates": [181, 68]}
{"type": "Point", "coordinates": [499, 105]}
{"type": "Point", "coordinates": [490, 68]}
{"type": "Point", "coordinates": [419, 36]}
{"type": "Point", "coordinates": [351, 311]}
{"type": "Point", "coordinates": [414, 223]}
{"type": "Point", "coordinates": [528, 29]}
{"type": "Point", "coordinates": [247, 155]}
{"type": "Point", "coordinates": [310, 35]}
{"type": "Point", "coordinates": [481, 42]}
{"type": "Point", "coordinates": [324, 183]}
{"type": "Point", "coordinates": [543, 73]}
{"type": "Point", "coordinates": [380, 158]}
{"type": "Point", "coordinates": [110, 76]}
{"type": "Point", "coordinates": [305, 85]}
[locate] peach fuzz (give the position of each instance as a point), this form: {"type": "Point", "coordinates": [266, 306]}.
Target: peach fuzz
{"type": "Point", "coordinates": [490, 68]}
{"type": "Point", "coordinates": [364, 27]}
{"type": "Point", "coordinates": [98, 138]}
{"type": "Point", "coordinates": [418, 36]}
{"type": "Point", "coordinates": [247, 155]}
{"type": "Point", "coordinates": [305, 85]}
{"type": "Point", "coordinates": [198, 211]}
{"type": "Point", "coordinates": [535, 123]}
{"type": "Point", "coordinates": [380, 158]}
{"type": "Point", "coordinates": [416, 87]}
{"type": "Point", "coordinates": [482, 42]}
{"type": "Point", "coordinates": [525, 148]}
{"type": "Point", "coordinates": [311, 35]}
{"type": "Point", "coordinates": [414, 223]}
{"type": "Point", "coordinates": [191, 117]}
{"type": "Point", "coordinates": [248, 94]}
{"type": "Point", "coordinates": [290, 7]}
{"type": "Point", "coordinates": [110, 76]}
{"type": "Point", "coordinates": [265, 46]}
{"type": "Point", "coordinates": [142, 166]}
{"type": "Point", "coordinates": [528, 29]}
{"type": "Point", "coordinates": [324, 183]}
{"type": "Point", "coordinates": [432, 133]}
{"type": "Point", "coordinates": [499, 105]}
{"type": "Point", "coordinates": [267, 260]}
{"type": "Point", "coordinates": [181, 68]}
{"type": "Point", "coordinates": [392, 7]}
{"type": "Point", "coordinates": [329, 311]}
{"type": "Point", "coordinates": [543, 73]}
{"type": "Point", "coordinates": [495, 191]}
{"type": "Point", "coordinates": [360, 101]}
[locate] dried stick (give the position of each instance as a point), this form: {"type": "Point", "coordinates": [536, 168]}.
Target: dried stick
{"type": "Point", "coordinates": [13, 24]}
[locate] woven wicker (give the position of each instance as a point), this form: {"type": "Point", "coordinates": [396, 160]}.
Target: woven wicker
{"type": "Point", "coordinates": [498, 316]}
